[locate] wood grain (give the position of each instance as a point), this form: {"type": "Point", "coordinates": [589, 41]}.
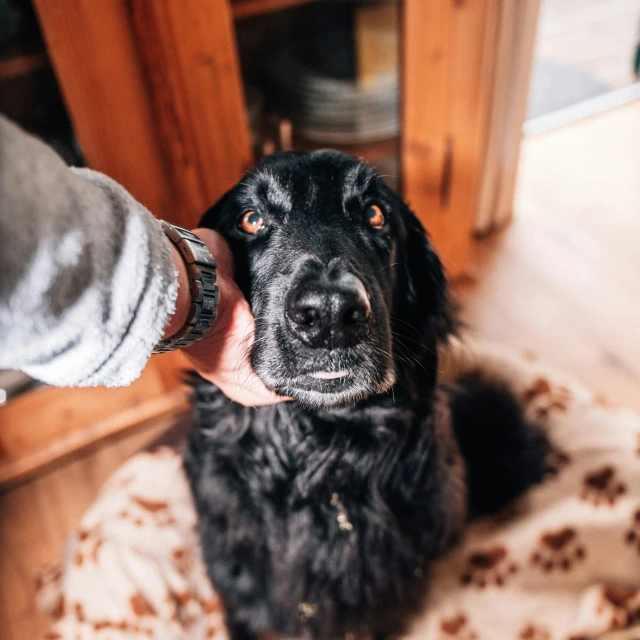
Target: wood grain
{"type": "Point", "coordinates": [55, 427]}
{"type": "Point", "coordinates": [448, 49]}
{"type": "Point", "coordinates": [93, 49]}
{"type": "Point", "coordinates": [192, 64]}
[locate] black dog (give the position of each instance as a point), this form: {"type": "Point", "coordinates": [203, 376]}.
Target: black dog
{"type": "Point", "coordinates": [319, 516]}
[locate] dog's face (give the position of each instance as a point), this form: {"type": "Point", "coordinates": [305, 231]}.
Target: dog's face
{"type": "Point", "coordinates": [346, 290]}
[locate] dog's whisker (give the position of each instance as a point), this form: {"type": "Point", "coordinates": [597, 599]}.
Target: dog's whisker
{"type": "Point", "coordinates": [393, 264]}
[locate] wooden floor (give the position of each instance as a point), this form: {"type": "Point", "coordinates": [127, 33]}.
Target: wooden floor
{"type": "Point", "coordinates": [597, 36]}
{"type": "Point", "coordinates": [563, 280]}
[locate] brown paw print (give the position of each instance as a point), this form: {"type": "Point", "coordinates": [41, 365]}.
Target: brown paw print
{"type": "Point", "coordinates": [488, 567]}
{"type": "Point", "coordinates": [534, 632]}
{"type": "Point", "coordinates": [632, 535]}
{"type": "Point", "coordinates": [558, 550]}
{"type": "Point", "coordinates": [621, 605]}
{"type": "Point", "coordinates": [90, 542]}
{"type": "Point", "coordinates": [48, 592]}
{"type": "Point", "coordinates": [543, 398]}
{"type": "Point", "coordinates": [156, 512]}
{"type": "Point", "coordinates": [602, 487]}
{"type": "Point", "coordinates": [182, 560]}
{"type": "Point", "coordinates": [557, 460]}
{"type": "Point", "coordinates": [457, 626]}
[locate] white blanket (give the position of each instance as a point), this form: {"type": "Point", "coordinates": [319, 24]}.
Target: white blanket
{"type": "Point", "coordinates": [561, 564]}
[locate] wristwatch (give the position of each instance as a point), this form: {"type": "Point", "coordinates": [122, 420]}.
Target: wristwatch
{"type": "Point", "coordinates": [202, 284]}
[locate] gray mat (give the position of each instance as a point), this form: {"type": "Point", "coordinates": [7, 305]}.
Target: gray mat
{"type": "Point", "coordinates": [555, 86]}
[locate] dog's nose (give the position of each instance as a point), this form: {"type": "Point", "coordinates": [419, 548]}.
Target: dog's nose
{"type": "Point", "coordinates": [329, 313]}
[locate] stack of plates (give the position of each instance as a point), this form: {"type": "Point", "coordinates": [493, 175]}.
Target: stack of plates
{"type": "Point", "coordinates": [332, 110]}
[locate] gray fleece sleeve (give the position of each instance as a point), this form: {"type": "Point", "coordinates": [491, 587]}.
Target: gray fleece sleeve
{"type": "Point", "coordinates": [87, 279]}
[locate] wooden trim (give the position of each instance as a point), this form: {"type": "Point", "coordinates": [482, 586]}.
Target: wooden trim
{"type": "Point", "coordinates": [249, 8]}
{"type": "Point", "coordinates": [81, 439]}
{"type": "Point", "coordinates": [191, 61]}
{"type": "Point", "coordinates": [522, 53]}
{"type": "Point", "coordinates": [447, 56]}
{"type": "Point", "coordinates": [93, 49]}
{"type": "Point", "coordinates": [498, 117]}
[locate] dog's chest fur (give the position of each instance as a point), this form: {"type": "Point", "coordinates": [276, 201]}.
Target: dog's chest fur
{"type": "Point", "coordinates": [316, 523]}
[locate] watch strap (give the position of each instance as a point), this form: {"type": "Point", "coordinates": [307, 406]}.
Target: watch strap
{"type": "Point", "coordinates": [201, 267]}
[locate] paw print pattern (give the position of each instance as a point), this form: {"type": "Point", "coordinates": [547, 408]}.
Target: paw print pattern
{"type": "Point", "coordinates": [602, 487]}
{"type": "Point", "coordinates": [155, 512]}
{"type": "Point", "coordinates": [558, 550]}
{"type": "Point", "coordinates": [534, 632]}
{"type": "Point", "coordinates": [633, 533]}
{"type": "Point", "coordinates": [542, 398]}
{"type": "Point", "coordinates": [89, 544]}
{"type": "Point", "coordinates": [492, 567]}
{"type": "Point", "coordinates": [621, 605]}
{"type": "Point", "coordinates": [457, 627]}
{"type": "Point", "coordinates": [557, 460]}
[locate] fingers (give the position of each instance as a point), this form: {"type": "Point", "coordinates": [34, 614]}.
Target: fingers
{"type": "Point", "coordinates": [251, 394]}
{"type": "Point", "coordinates": [223, 356]}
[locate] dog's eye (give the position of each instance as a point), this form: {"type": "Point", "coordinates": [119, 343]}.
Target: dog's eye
{"type": "Point", "coordinates": [251, 222]}
{"type": "Point", "coordinates": [374, 216]}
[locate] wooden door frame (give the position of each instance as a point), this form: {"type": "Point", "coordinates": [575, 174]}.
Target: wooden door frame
{"type": "Point", "coordinates": [448, 49]}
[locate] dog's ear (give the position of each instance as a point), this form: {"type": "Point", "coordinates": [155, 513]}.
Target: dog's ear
{"type": "Point", "coordinates": [426, 293]}
{"type": "Point", "coordinates": [211, 216]}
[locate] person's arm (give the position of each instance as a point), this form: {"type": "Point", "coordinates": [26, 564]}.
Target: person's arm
{"type": "Point", "coordinates": [89, 282]}
{"type": "Point", "coordinates": [87, 279]}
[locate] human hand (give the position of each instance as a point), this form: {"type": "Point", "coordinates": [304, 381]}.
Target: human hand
{"type": "Point", "coordinates": [223, 356]}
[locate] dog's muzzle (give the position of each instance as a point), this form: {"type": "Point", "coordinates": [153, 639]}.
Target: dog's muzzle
{"type": "Point", "coordinates": [328, 310]}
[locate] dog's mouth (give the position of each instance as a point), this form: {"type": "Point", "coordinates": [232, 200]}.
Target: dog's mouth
{"type": "Point", "coordinates": [332, 386]}
{"type": "Point", "coordinates": [325, 380]}
{"type": "Point", "coordinates": [329, 375]}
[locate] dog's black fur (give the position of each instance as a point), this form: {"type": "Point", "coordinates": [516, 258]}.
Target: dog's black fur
{"type": "Point", "coordinates": [319, 516]}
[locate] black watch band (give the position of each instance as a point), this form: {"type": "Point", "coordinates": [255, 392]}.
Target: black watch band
{"type": "Point", "coordinates": [202, 284]}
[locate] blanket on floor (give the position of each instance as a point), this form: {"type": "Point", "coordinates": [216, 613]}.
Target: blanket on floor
{"type": "Point", "coordinates": [561, 564]}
